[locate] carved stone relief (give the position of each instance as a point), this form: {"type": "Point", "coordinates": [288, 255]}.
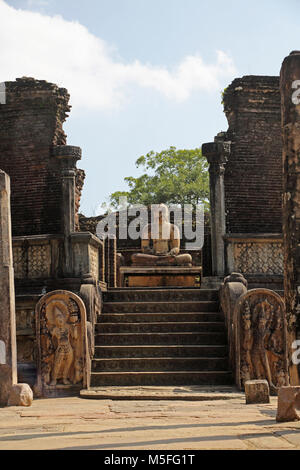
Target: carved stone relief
{"type": "Point", "coordinates": [261, 338]}
{"type": "Point", "coordinates": [62, 340]}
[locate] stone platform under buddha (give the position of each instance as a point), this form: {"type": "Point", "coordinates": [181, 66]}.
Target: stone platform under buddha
{"type": "Point", "coordinates": [161, 276]}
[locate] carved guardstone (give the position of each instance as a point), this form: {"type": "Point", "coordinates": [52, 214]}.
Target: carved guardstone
{"type": "Point", "coordinates": [261, 339]}
{"type": "Point", "coordinates": [63, 357]}
{"type": "Point", "coordinates": [257, 391]}
{"type": "Point", "coordinates": [288, 404]}
{"type": "Point", "coordinates": [8, 353]}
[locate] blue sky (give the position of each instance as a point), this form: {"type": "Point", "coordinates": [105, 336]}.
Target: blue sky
{"type": "Point", "coordinates": [143, 74]}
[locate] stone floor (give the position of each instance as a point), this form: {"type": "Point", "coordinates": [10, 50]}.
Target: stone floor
{"type": "Point", "coordinates": [76, 423]}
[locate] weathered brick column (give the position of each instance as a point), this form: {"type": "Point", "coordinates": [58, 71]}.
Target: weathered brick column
{"type": "Point", "coordinates": [290, 112]}
{"type": "Point", "coordinates": [216, 154]}
{"type": "Point", "coordinates": [8, 348]}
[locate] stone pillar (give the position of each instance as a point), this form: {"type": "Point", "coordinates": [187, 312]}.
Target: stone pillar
{"type": "Point", "coordinates": [102, 262]}
{"type": "Point", "coordinates": [8, 356]}
{"type": "Point", "coordinates": [68, 156]}
{"type": "Point", "coordinates": [290, 114]}
{"type": "Point", "coordinates": [110, 245]}
{"type": "Point", "coordinates": [216, 154]}
{"type": "Point", "coordinates": [112, 242]}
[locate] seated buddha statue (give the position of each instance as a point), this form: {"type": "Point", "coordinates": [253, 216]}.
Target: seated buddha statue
{"type": "Point", "coordinates": [161, 242]}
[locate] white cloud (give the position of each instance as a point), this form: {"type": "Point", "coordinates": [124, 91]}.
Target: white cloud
{"type": "Point", "coordinates": [64, 52]}
{"type": "Point", "coordinates": [36, 3]}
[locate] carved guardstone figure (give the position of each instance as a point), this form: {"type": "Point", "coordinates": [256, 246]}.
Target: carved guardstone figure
{"type": "Point", "coordinates": [62, 342]}
{"type": "Point", "coordinates": [61, 335]}
{"type": "Point", "coordinates": [260, 339]}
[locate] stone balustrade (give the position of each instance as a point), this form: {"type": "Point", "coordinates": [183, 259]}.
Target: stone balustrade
{"type": "Point", "coordinates": [255, 254]}
{"type": "Point", "coordinates": [40, 256]}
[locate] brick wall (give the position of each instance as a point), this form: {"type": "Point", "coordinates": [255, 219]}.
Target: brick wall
{"type": "Point", "coordinates": [253, 174]}
{"type": "Point", "coordinates": [30, 125]}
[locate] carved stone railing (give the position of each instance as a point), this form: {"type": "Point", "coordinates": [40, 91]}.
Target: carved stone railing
{"type": "Point", "coordinates": [230, 291]}
{"type": "Point", "coordinates": [41, 257]}
{"type": "Point", "coordinates": [37, 257]}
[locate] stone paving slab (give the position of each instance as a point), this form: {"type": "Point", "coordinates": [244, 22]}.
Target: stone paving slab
{"type": "Point", "coordinates": [73, 423]}
{"type": "Point", "coordinates": [192, 393]}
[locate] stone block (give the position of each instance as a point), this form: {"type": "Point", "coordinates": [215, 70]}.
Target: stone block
{"type": "Point", "coordinates": [288, 404]}
{"type": "Point", "coordinates": [20, 395]}
{"type": "Point", "coordinates": [161, 276]}
{"type": "Point", "coordinates": [257, 391]}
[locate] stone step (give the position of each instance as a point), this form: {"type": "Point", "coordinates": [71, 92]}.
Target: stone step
{"type": "Point", "coordinates": [158, 295]}
{"type": "Point", "coordinates": [142, 339]}
{"type": "Point", "coordinates": [159, 327]}
{"type": "Point", "coordinates": [99, 379]}
{"type": "Point", "coordinates": [190, 393]}
{"type": "Point", "coordinates": [160, 317]}
{"type": "Point", "coordinates": [160, 307]}
{"type": "Point", "coordinates": [160, 336]}
{"type": "Point", "coordinates": [152, 351]}
{"type": "Point", "coordinates": [160, 364]}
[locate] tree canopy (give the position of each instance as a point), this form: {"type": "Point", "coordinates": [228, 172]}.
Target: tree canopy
{"type": "Point", "coordinates": [170, 177]}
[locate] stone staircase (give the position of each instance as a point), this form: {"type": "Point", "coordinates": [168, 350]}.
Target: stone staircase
{"type": "Point", "coordinates": [160, 336]}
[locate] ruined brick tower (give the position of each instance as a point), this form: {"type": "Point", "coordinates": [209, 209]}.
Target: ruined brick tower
{"type": "Point", "coordinates": [30, 127]}
{"type": "Point", "coordinates": [246, 183]}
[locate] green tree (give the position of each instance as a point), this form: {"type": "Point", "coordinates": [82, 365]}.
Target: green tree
{"type": "Point", "coordinates": [171, 177]}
